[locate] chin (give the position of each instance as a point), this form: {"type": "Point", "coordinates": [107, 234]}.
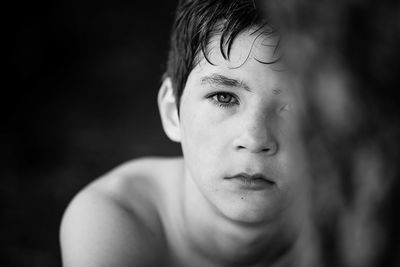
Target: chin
{"type": "Point", "coordinates": [247, 211]}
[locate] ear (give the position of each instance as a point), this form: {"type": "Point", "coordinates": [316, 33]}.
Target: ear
{"type": "Point", "coordinates": [169, 111]}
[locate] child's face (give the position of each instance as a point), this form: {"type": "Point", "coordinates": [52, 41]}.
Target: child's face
{"type": "Point", "coordinates": [235, 121]}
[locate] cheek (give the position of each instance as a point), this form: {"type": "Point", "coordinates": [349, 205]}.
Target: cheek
{"type": "Point", "coordinates": [204, 138]}
{"type": "Point", "coordinates": [199, 149]}
{"type": "Point", "coordinates": [295, 166]}
{"type": "Point", "coordinates": [198, 133]}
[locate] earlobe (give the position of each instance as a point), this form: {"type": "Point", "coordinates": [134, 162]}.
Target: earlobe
{"type": "Point", "coordinates": [169, 111]}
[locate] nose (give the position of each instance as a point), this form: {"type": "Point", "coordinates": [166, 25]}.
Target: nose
{"type": "Point", "coordinates": [256, 136]}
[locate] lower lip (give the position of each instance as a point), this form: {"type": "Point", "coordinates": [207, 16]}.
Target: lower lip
{"type": "Point", "coordinates": [252, 184]}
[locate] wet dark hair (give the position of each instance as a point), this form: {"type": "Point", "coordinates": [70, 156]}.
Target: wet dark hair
{"type": "Point", "coordinates": [196, 21]}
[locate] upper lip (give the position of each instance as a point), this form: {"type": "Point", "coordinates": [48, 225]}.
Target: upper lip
{"type": "Point", "coordinates": [251, 176]}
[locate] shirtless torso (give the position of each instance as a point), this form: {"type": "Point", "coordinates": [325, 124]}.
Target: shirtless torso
{"type": "Point", "coordinates": [135, 216]}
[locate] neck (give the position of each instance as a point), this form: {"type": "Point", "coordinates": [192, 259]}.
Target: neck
{"type": "Point", "coordinates": [209, 234]}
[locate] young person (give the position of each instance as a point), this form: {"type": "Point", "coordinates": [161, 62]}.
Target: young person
{"type": "Point", "coordinates": [232, 199]}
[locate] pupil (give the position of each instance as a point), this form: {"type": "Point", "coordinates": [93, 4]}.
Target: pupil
{"type": "Point", "coordinates": [224, 98]}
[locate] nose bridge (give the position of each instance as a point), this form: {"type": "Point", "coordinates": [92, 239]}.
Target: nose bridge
{"type": "Point", "coordinates": [257, 125]}
{"type": "Point", "coordinates": [256, 133]}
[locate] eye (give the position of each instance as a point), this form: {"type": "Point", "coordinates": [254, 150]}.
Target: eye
{"type": "Point", "coordinates": [286, 110]}
{"type": "Point", "coordinates": [223, 99]}
{"type": "Point", "coordinates": [286, 107]}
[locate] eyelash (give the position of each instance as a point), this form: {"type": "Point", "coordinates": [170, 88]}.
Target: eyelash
{"type": "Point", "coordinates": [214, 99]}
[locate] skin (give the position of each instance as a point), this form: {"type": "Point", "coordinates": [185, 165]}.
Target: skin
{"type": "Point", "coordinates": [234, 118]}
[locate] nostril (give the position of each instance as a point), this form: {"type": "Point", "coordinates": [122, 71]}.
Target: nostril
{"type": "Point", "coordinates": [271, 148]}
{"type": "Point", "coordinates": [256, 144]}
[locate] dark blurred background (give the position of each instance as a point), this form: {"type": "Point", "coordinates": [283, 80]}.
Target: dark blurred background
{"type": "Point", "coordinates": [82, 99]}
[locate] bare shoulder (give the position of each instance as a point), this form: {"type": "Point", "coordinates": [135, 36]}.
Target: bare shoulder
{"type": "Point", "coordinates": [115, 221]}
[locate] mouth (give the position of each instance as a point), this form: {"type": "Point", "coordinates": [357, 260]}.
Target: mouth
{"type": "Point", "coordinates": [253, 181]}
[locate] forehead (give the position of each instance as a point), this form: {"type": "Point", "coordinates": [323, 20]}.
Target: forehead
{"type": "Point", "coordinates": [259, 44]}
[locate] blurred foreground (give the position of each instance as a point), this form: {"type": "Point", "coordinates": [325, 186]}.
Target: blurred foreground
{"type": "Point", "coordinates": [345, 57]}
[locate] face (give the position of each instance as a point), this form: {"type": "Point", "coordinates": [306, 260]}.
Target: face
{"type": "Point", "coordinates": [236, 131]}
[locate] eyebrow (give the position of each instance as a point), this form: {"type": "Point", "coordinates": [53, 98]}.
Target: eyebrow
{"type": "Point", "coordinates": [221, 80]}
{"type": "Point", "coordinates": [277, 91]}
